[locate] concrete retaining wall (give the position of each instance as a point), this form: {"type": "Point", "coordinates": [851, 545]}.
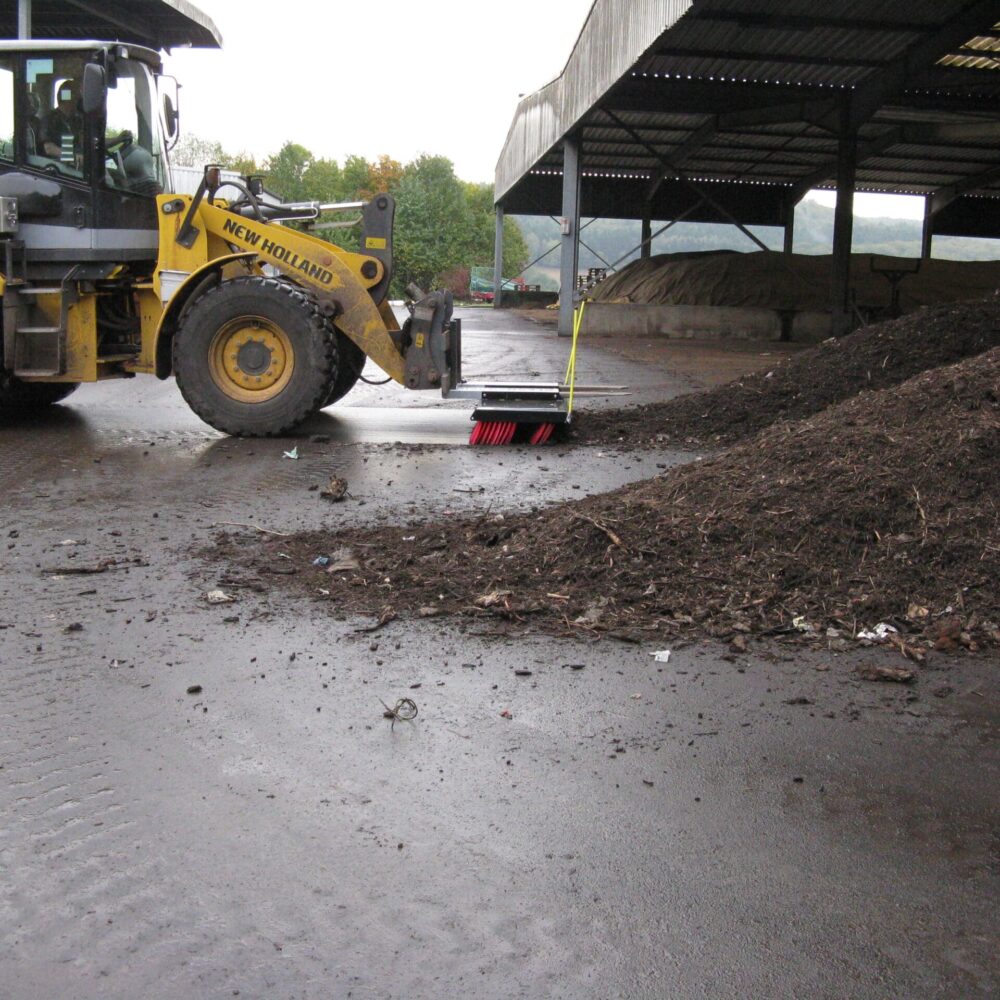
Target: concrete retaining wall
{"type": "Point", "coordinates": [708, 322]}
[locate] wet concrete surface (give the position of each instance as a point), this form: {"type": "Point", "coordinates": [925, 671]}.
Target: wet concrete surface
{"type": "Point", "coordinates": [764, 825]}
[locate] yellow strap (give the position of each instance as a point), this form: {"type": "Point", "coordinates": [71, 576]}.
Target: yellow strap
{"type": "Point", "coordinates": [570, 379]}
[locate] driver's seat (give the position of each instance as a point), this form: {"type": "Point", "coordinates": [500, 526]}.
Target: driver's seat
{"type": "Point", "coordinates": [34, 123]}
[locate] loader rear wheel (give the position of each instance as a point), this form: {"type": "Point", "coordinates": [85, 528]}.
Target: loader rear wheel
{"type": "Point", "coordinates": [350, 362]}
{"type": "Point", "coordinates": [18, 395]}
{"type": "Point", "coordinates": [254, 357]}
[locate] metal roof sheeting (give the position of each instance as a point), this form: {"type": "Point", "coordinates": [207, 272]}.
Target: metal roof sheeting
{"type": "Point", "coordinates": [743, 91]}
{"type": "Point", "coordinates": [157, 24]}
{"type": "Point", "coordinates": [614, 33]}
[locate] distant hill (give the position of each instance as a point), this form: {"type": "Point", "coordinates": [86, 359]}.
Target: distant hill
{"type": "Point", "coordinates": [613, 238]}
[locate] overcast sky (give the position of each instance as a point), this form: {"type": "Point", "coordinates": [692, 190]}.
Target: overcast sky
{"type": "Point", "coordinates": [392, 76]}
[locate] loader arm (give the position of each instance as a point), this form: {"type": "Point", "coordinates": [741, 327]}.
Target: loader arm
{"type": "Point", "coordinates": [342, 282]}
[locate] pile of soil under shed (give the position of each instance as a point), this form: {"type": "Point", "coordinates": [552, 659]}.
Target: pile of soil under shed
{"type": "Point", "coordinates": [875, 357]}
{"type": "Point", "coordinates": [883, 508]}
{"type": "Point", "coordinates": [766, 279]}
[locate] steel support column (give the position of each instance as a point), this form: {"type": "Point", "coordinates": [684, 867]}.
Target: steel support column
{"type": "Point", "coordinates": [569, 263]}
{"type": "Point", "coordinates": [928, 237]}
{"type": "Point", "coordinates": [789, 247]}
{"type": "Point", "coordinates": [647, 236]}
{"type": "Point", "coordinates": [24, 19]}
{"type": "Point", "coordinates": [498, 261]}
{"type": "Point", "coordinates": [843, 228]}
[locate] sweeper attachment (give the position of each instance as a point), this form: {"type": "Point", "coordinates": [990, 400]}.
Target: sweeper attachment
{"type": "Point", "coordinates": [525, 412]}
{"type": "Point", "coordinates": [505, 412]}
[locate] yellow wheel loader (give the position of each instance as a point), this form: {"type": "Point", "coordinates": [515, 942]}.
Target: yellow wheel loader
{"type": "Point", "coordinates": [106, 274]}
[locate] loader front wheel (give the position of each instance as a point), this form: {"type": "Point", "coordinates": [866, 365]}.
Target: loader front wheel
{"type": "Point", "coordinates": [254, 357]}
{"type": "Point", "coordinates": [350, 362]}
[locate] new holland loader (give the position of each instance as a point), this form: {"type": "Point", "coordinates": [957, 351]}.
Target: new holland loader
{"type": "Point", "coordinates": [106, 274]}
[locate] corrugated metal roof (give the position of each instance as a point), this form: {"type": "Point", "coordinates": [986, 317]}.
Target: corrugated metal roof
{"type": "Point", "coordinates": [158, 24]}
{"type": "Point", "coordinates": [741, 90]}
{"type": "Point", "coordinates": [614, 33]}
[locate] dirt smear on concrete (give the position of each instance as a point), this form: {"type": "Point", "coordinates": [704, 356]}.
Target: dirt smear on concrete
{"type": "Point", "coordinates": [876, 357]}
{"type": "Point", "coordinates": [883, 508]}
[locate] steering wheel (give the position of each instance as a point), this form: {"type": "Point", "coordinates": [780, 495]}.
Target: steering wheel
{"type": "Point", "coordinates": [116, 147]}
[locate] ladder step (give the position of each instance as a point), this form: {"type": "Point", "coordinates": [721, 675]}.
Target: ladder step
{"type": "Point", "coordinates": [39, 329]}
{"type": "Point", "coordinates": [27, 290]}
{"type": "Point", "coordinates": [35, 372]}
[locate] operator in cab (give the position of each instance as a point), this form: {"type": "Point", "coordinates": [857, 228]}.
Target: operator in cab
{"type": "Point", "coordinates": [62, 130]}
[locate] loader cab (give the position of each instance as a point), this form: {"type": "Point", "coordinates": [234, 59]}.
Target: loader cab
{"type": "Point", "coordinates": [83, 148]}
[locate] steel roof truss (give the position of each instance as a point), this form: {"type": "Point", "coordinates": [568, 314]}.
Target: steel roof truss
{"type": "Point", "coordinates": [810, 22]}
{"type": "Point", "coordinates": [868, 98]}
{"type": "Point", "coordinates": [943, 197]}
{"type": "Point", "coordinates": [778, 58]}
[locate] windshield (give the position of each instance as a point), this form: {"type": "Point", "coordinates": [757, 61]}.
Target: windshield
{"type": "Point", "coordinates": [54, 129]}
{"type": "Point", "coordinates": [135, 155]}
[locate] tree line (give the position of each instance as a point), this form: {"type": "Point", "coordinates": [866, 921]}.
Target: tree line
{"type": "Point", "coordinates": [444, 225]}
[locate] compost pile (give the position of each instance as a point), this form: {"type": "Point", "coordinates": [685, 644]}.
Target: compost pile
{"type": "Point", "coordinates": [883, 508]}
{"type": "Point", "coordinates": [799, 282]}
{"type": "Point", "coordinates": [875, 357]}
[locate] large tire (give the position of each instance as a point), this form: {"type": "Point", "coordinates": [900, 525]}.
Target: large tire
{"type": "Point", "coordinates": [18, 395]}
{"type": "Point", "coordinates": [350, 363]}
{"type": "Point", "coordinates": [254, 357]}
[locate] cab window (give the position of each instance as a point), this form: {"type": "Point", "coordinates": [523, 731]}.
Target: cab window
{"type": "Point", "coordinates": [54, 126]}
{"type": "Point", "coordinates": [6, 108]}
{"type": "Point", "coordinates": [133, 148]}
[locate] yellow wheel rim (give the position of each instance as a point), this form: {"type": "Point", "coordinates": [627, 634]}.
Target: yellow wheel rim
{"type": "Point", "coordinates": [251, 359]}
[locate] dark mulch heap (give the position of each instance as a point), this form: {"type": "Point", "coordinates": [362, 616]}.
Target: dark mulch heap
{"type": "Point", "coordinates": [870, 511]}
{"type": "Point", "coordinates": [876, 357]}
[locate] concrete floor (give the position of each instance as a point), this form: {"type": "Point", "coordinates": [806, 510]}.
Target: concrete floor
{"type": "Point", "coordinates": [709, 828]}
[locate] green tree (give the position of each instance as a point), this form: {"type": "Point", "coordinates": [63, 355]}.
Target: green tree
{"type": "Point", "coordinates": [287, 170]}
{"type": "Point", "coordinates": [432, 222]}
{"type": "Point", "coordinates": [482, 233]}
{"type": "Point", "coordinates": [194, 151]}
{"type": "Point", "coordinates": [323, 180]}
{"type": "Point", "coordinates": [356, 172]}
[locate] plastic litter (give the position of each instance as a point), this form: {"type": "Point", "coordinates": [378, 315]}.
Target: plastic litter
{"type": "Point", "coordinates": [880, 633]}
{"type": "Point", "coordinates": [321, 561]}
{"type": "Point", "coordinates": [293, 454]}
{"type": "Point", "coordinates": [219, 597]}
{"type": "Point", "coordinates": [343, 561]}
{"type": "Point", "coordinates": [661, 656]}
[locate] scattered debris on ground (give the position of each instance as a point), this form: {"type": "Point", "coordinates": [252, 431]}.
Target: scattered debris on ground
{"type": "Point", "coordinates": [335, 490]}
{"type": "Point", "coordinates": [405, 710]}
{"type": "Point", "coordinates": [875, 357]}
{"type": "Point", "coordinates": [882, 509]}
{"type": "Point", "coordinates": [81, 569]}
{"type": "Point", "coordinates": [897, 675]}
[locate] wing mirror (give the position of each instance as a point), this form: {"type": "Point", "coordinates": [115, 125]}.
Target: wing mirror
{"type": "Point", "coordinates": [169, 90]}
{"type": "Point", "coordinates": [170, 117]}
{"type": "Point", "coordinates": [95, 89]}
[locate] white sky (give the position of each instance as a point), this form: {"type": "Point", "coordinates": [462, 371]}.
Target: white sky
{"type": "Point", "coordinates": [891, 206]}
{"type": "Point", "coordinates": [392, 76]}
